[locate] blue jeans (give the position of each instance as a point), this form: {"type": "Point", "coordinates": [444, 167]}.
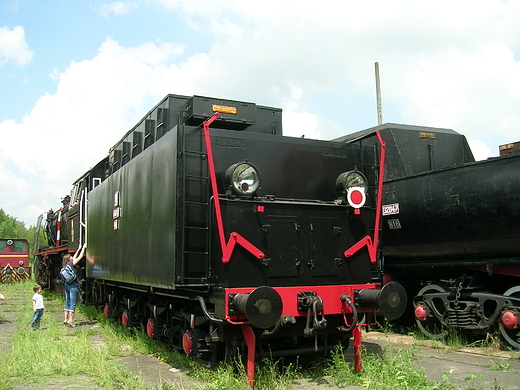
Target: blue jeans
{"type": "Point", "coordinates": [37, 317]}
{"type": "Point", "coordinates": [71, 296]}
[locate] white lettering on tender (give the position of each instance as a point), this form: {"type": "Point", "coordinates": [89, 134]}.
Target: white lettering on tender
{"type": "Point", "coordinates": [394, 224]}
{"type": "Point", "coordinates": [389, 209]}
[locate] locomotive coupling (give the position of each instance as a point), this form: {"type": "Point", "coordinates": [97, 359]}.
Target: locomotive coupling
{"type": "Point", "coordinates": [391, 300]}
{"type": "Point", "coordinates": [262, 307]}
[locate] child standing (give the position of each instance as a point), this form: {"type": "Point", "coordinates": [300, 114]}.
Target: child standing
{"type": "Point", "coordinates": [38, 307]}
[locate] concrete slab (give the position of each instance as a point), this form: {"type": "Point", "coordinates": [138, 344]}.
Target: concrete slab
{"type": "Point", "coordinates": [155, 373]}
{"type": "Point", "coordinates": [481, 368]}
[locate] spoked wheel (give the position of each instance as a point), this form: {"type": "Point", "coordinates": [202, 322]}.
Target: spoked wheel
{"type": "Point", "coordinates": [511, 335]}
{"type": "Point", "coordinates": [430, 326]}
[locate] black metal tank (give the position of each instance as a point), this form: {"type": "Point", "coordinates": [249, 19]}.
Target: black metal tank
{"type": "Point", "coordinates": [451, 231]}
{"type": "Point", "coordinates": [440, 206]}
{"type": "Point", "coordinates": [151, 223]}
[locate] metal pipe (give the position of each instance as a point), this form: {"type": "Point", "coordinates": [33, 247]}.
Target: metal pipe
{"type": "Point", "coordinates": [205, 311]}
{"type": "Point", "coordinates": [354, 320]}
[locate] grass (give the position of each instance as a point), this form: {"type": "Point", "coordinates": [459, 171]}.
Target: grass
{"type": "Point", "coordinates": [58, 352]}
{"type": "Point", "coordinates": [382, 372]}
{"type": "Point", "coordinates": [55, 351]}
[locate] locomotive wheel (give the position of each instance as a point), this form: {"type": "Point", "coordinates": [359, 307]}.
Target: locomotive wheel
{"type": "Point", "coordinates": [39, 272]}
{"type": "Point", "coordinates": [431, 327]}
{"type": "Point", "coordinates": [511, 335]}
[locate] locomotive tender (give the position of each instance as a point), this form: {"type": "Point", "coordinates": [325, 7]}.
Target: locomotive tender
{"type": "Point", "coordinates": [217, 233]}
{"type": "Point", "coordinates": [451, 230]}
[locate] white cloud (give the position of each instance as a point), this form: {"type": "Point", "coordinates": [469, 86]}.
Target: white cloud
{"type": "Point", "coordinates": [118, 8]}
{"type": "Point", "coordinates": [451, 65]}
{"type": "Point", "coordinates": [67, 132]}
{"type": "Point", "coordinates": [475, 92]}
{"type": "Point", "coordinates": [55, 75]}
{"type": "Point", "coordinates": [480, 150]}
{"type": "Point", "coordinates": [300, 124]}
{"type": "Point", "coordinates": [13, 46]}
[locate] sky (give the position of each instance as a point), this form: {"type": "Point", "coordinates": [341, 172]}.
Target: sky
{"type": "Point", "coordinates": [75, 76]}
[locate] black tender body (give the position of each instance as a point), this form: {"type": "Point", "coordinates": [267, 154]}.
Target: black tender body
{"type": "Point", "coordinates": [163, 234]}
{"type": "Point", "coordinates": [451, 229]}
{"type": "Point", "coordinates": [442, 206]}
{"type": "Point", "coordinates": [211, 271]}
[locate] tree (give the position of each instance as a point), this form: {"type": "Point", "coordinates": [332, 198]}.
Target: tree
{"type": "Point", "coordinates": [10, 227]}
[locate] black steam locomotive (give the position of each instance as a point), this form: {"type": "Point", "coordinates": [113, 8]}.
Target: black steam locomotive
{"type": "Point", "coordinates": [451, 230]}
{"type": "Point", "coordinates": [218, 234]}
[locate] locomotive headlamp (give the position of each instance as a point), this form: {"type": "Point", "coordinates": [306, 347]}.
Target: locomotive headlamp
{"type": "Point", "coordinates": [243, 178]}
{"type": "Point", "coordinates": [352, 186]}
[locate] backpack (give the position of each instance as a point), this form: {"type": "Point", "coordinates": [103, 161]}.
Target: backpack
{"type": "Point", "coordinates": [68, 274]}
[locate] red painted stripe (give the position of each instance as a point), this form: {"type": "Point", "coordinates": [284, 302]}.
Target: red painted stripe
{"type": "Point", "coordinates": [235, 238]}
{"type": "Point", "coordinates": [367, 241]}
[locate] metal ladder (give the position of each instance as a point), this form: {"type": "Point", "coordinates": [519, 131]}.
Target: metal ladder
{"type": "Point", "coordinates": [195, 210]}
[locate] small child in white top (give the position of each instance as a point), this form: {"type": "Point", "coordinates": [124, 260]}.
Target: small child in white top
{"type": "Point", "coordinates": [38, 306]}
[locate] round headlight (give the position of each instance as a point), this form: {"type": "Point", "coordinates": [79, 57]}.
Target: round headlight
{"type": "Point", "coordinates": [353, 187]}
{"type": "Point", "coordinates": [243, 178]}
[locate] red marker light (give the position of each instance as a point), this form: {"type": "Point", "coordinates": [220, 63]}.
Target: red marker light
{"type": "Point", "coordinates": [356, 197]}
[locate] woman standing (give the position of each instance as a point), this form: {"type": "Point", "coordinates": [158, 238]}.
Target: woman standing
{"type": "Point", "coordinates": [70, 285]}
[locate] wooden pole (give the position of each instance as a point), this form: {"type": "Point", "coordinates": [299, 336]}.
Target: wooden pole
{"type": "Point", "coordinates": [378, 93]}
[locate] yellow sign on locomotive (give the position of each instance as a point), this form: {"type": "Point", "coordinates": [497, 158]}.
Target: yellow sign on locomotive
{"type": "Point", "coordinates": [224, 109]}
{"type": "Point", "coordinates": [427, 135]}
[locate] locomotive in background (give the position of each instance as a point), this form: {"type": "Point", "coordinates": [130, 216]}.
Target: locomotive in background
{"type": "Point", "coordinates": [217, 233]}
{"type": "Point", "coordinates": [14, 260]}
{"type": "Point", "coordinates": [65, 232]}
{"type": "Point", "coordinates": [451, 230]}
